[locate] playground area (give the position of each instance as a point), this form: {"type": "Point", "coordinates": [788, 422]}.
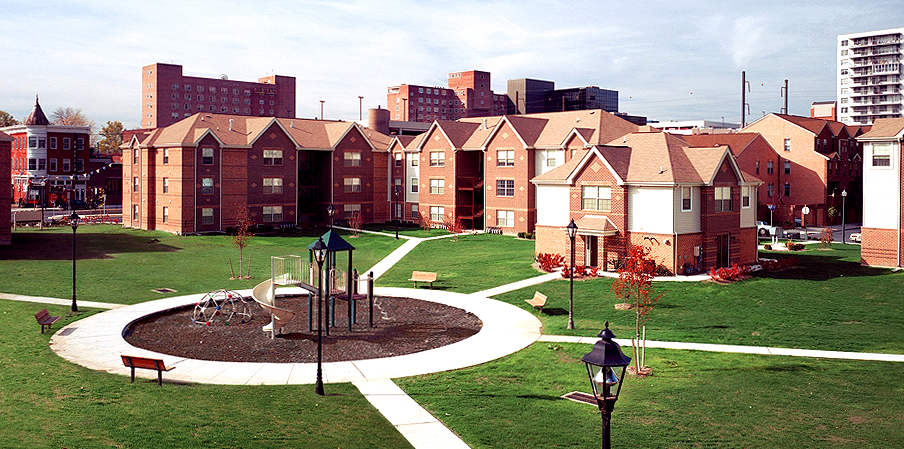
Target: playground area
{"type": "Point", "coordinates": [401, 326]}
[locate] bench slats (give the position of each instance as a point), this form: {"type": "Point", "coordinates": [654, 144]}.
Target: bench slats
{"type": "Point", "coordinates": [423, 276]}
{"type": "Point", "coordinates": [44, 319]}
{"type": "Point", "coordinates": [145, 363]}
{"type": "Point", "coordinates": [538, 301]}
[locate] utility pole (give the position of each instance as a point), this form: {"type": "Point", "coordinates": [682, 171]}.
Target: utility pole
{"type": "Point", "coordinates": [785, 96]}
{"type": "Point", "coordinates": [361, 107]}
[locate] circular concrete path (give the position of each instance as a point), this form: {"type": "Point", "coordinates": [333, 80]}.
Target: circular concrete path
{"type": "Point", "coordinates": [96, 342]}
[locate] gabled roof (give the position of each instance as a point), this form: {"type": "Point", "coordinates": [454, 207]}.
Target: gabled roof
{"type": "Point", "coordinates": [648, 158]}
{"type": "Point", "coordinates": [238, 131]}
{"type": "Point", "coordinates": [737, 142]}
{"type": "Point", "coordinates": [456, 133]}
{"type": "Point", "coordinates": [885, 128]}
{"type": "Point", "coordinates": [814, 125]}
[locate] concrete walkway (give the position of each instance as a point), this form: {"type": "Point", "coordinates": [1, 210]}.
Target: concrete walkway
{"type": "Point", "coordinates": [61, 302]}
{"type": "Point", "coordinates": [738, 349]}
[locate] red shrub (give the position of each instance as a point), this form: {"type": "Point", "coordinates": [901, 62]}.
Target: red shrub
{"type": "Point", "coordinates": [549, 262]}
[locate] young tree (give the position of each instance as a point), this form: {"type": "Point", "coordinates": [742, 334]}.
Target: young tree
{"type": "Point", "coordinates": [111, 135]}
{"type": "Point", "coordinates": [356, 222]}
{"type": "Point", "coordinates": [635, 282]}
{"type": "Point", "coordinates": [6, 119]}
{"type": "Point", "coordinates": [242, 236]}
{"type": "Point", "coordinates": [455, 228]}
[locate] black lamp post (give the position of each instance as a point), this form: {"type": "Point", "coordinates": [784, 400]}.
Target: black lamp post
{"type": "Point", "coordinates": [602, 362]}
{"type": "Point", "coordinates": [843, 218]}
{"type": "Point", "coordinates": [73, 221]}
{"type": "Point", "coordinates": [395, 212]}
{"type": "Point", "coordinates": [331, 210]}
{"type": "Point", "coordinates": [319, 250]}
{"type": "Point", "coordinates": [572, 231]}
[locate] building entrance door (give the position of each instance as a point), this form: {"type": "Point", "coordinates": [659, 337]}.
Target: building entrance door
{"type": "Point", "coordinates": [591, 250]}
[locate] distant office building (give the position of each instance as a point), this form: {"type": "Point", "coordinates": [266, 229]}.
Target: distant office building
{"type": "Point", "coordinates": [869, 76]}
{"type": "Point", "coordinates": [468, 95]}
{"type": "Point", "coordinates": [167, 96]}
{"type": "Point", "coordinates": [824, 110]}
{"type": "Point", "coordinates": [528, 96]}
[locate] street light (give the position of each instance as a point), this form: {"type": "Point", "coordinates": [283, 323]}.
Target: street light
{"type": "Point", "coordinates": [572, 231]}
{"type": "Point", "coordinates": [843, 209]}
{"type": "Point", "coordinates": [395, 212]}
{"type": "Point", "coordinates": [319, 250]}
{"type": "Point", "coordinates": [73, 221]}
{"type": "Point", "coordinates": [331, 210]}
{"type": "Point", "coordinates": [602, 361]}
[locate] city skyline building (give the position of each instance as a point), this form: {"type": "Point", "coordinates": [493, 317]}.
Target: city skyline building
{"type": "Point", "coordinates": [168, 96]}
{"type": "Point", "coordinates": [869, 76]}
{"type": "Point", "coordinates": [468, 95]}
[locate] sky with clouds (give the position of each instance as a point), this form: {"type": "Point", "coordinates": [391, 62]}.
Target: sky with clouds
{"type": "Point", "coordinates": [668, 60]}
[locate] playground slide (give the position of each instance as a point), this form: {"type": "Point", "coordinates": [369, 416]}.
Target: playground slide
{"type": "Point", "coordinates": [263, 294]}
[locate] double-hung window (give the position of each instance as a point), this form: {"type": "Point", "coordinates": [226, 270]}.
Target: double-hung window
{"type": "Point", "coordinates": [273, 185]}
{"type": "Point", "coordinates": [273, 157]}
{"type": "Point", "coordinates": [505, 158]}
{"type": "Point", "coordinates": [438, 186]}
{"type": "Point", "coordinates": [881, 154]}
{"type": "Point", "coordinates": [437, 159]}
{"type": "Point", "coordinates": [596, 198]}
{"type": "Point", "coordinates": [723, 199]}
{"type": "Point", "coordinates": [505, 187]}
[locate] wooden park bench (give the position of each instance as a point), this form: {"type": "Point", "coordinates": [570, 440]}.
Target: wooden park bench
{"type": "Point", "coordinates": [538, 301]}
{"type": "Point", "coordinates": [44, 319]}
{"type": "Point", "coordinates": [423, 276]}
{"type": "Point", "coordinates": [145, 363]}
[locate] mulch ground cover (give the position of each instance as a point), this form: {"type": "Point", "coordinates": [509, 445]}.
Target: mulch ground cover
{"type": "Point", "coordinates": [401, 326]}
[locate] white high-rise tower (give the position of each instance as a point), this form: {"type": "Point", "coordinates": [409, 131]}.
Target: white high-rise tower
{"type": "Point", "coordinates": [869, 76]}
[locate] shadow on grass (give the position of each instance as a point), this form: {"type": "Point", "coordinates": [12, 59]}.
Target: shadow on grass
{"type": "Point", "coordinates": [821, 267]}
{"type": "Point", "coordinates": [58, 246]}
{"type": "Point", "coordinates": [554, 311]}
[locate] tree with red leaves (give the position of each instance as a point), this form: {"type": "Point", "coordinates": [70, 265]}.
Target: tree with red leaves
{"type": "Point", "coordinates": [635, 282]}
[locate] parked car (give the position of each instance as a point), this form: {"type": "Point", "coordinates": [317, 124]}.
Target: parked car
{"type": "Point", "coordinates": [78, 205]}
{"type": "Point", "coordinates": [763, 229]}
{"type": "Point", "coordinates": [855, 237]}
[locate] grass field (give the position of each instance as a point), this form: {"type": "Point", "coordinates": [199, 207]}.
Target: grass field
{"type": "Point", "coordinates": [47, 402]}
{"type": "Point", "coordinates": [123, 265]}
{"type": "Point", "coordinates": [694, 399]}
{"type": "Point", "coordinates": [827, 302]}
{"type": "Point", "coordinates": [470, 264]}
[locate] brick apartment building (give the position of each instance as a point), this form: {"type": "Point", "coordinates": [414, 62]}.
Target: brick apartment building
{"type": "Point", "coordinates": [46, 157]}
{"type": "Point", "coordinates": [201, 173]}
{"type": "Point", "coordinates": [692, 207]}
{"type": "Point", "coordinates": [755, 157]}
{"type": "Point", "coordinates": [882, 232]}
{"type": "Point", "coordinates": [6, 195]}
{"type": "Point", "coordinates": [468, 95]}
{"type": "Point", "coordinates": [818, 159]}
{"type": "Point", "coordinates": [478, 170]}
{"type": "Point", "coordinates": [168, 96]}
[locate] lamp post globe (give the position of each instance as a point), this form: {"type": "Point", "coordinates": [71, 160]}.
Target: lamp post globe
{"type": "Point", "coordinates": [330, 211]}
{"type": "Point", "coordinates": [320, 252]}
{"type": "Point", "coordinates": [395, 212]}
{"type": "Point", "coordinates": [572, 231]}
{"type": "Point", "coordinates": [843, 218]}
{"type": "Point", "coordinates": [73, 221]}
{"type": "Point", "coordinates": [606, 365]}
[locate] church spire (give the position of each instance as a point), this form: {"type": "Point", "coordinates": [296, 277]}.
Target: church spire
{"type": "Point", "coordinates": [37, 116]}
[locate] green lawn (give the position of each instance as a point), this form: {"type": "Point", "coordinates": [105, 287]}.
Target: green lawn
{"type": "Point", "coordinates": [123, 265]}
{"type": "Point", "coordinates": [470, 264]}
{"type": "Point", "coordinates": [828, 302]}
{"type": "Point", "coordinates": [47, 402]}
{"type": "Point", "coordinates": [694, 399]}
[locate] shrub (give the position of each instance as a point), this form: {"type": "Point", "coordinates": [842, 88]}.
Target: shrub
{"type": "Point", "coordinates": [662, 270]}
{"type": "Point", "coordinates": [767, 247]}
{"type": "Point", "coordinates": [549, 262]}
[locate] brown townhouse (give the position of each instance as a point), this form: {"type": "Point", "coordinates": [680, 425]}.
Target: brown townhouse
{"type": "Point", "coordinates": [692, 207]}
{"type": "Point", "coordinates": [200, 173]}
{"type": "Point", "coordinates": [818, 160]}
